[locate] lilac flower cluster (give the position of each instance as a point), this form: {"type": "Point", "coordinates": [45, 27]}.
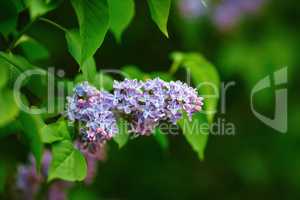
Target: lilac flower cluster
{"type": "Point", "coordinates": [192, 9]}
{"type": "Point", "coordinates": [143, 104]}
{"type": "Point", "coordinates": [229, 12]}
{"type": "Point", "coordinates": [225, 14]}
{"type": "Point", "coordinates": [146, 104]}
{"type": "Point", "coordinates": [93, 109]}
{"type": "Point", "coordinates": [29, 182]}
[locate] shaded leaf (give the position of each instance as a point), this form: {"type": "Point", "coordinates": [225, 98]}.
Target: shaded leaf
{"type": "Point", "coordinates": [35, 82]}
{"type": "Point", "coordinates": [32, 49]}
{"type": "Point", "coordinates": [67, 162]}
{"type": "Point", "coordinates": [9, 15]}
{"type": "Point", "coordinates": [2, 176]}
{"type": "Point", "coordinates": [159, 10]}
{"type": "Point", "coordinates": [31, 126]}
{"type": "Point", "coordinates": [133, 72]}
{"type": "Point", "coordinates": [9, 25]}
{"type": "Point", "coordinates": [80, 193]}
{"type": "Point", "coordinates": [121, 14]}
{"type": "Point", "coordinates": [103, 82]}
{"type": "Point", "coordinates": [161, 138]}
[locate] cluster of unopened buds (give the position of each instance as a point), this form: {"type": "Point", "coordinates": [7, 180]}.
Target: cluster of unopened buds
{"type": "Point", "coordinates": [144, 104]}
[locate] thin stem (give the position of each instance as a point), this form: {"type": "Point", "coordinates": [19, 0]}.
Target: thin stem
{"type": "Point", "coordinates": [12, 45]}
{"type": "Point", "coordinates": [174, 67]}
{"type": "Point", "coordinates": [53, 23]}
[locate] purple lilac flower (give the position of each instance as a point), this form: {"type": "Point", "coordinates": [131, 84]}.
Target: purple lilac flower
{"type": "Point", "coordinates": [92, 159]}
{"type": "Point", "coordinates": [192, 9]}
{"type": "Point", "coordinates": [144, 104]}
{"type": "Point", "coordinates": [28, 180]}
{"type": "Point", "coordinates": [57, 190]}
{"type": "Point", "coordinates": [148, 103]}
{"type": "Point", "coordinates": [251, 7]}
{"type": "Point", "coordinates": [93, 109]}
{"type": "Point", "coordinates": [229, 12]}
{"type": "Point", "coordinates": [182, 97]}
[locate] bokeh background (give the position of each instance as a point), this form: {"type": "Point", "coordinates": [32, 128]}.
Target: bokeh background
{"type": "Point", "coordinates": [246, 40]}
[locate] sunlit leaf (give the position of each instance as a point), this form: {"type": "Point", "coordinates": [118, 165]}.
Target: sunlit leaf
{"type": "Point", "coordinates": [93, 17]}
{"type": "Point", "coordinates": [89, 70]}
{"type": "Point", "coordinates": [122, 136]}
{"type": "Point", "coordinates": [159, 10]}
{"type": "Point", "coordinates": [196, 132]}
{"type": "Point", "coordinates": [8, 108]}
{"type": "Point", "coordinates": [3, 73]}
{"type": "Point", "coordinates": [40, 7]}
{"type": "Point", "coordinates": [67, 162]}
{"type": "Point", "coordinates": [55, 132]}
{"type": "Point", "coordinates": [121, 14]}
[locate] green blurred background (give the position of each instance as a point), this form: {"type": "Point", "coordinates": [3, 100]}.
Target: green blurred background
{"type": "Point", "coordinates": [255, 163]}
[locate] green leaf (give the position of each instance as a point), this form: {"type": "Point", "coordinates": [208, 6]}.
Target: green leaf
{"type": "Point", "coordinates": [36, 82]}
{"type": "Point", "coordinates": [40, 7]}
{"type": "Point", "coordinates": [9, 25]}
{"type": "Point", "coordinates": [121, 14]}
{"type": "Point", "coordinates": [93, 17]}
{"type": "Point", "coordinates": [196, 132]}
{"type": "Point", "coordinates": [55, 132]}
{"type": "Point", "coordinates": [121, 138]}
{"type": "Point", "coordinates": [10, 128]}
{"type": "Point", "coordinates": [3, 73]}
{"type": "Point", "coordinates": [162, 75]}
{"type": "Point", "coordinates": [161, 138]}
{"type": "Point", "coordinates": [74, 44]}
{"type": "Point", "coordinates": [88, 68]}
{"type": "Point", "coordinates": [132, 72]}
{"type": "Point", "coordinates": [67, 162]}
{"type": "Point", "coordinates": [206, 78]}
{"type": "Point", "coordinates": [32, 49]}
{"type": "Point", "coordinates": [80, 193]}
{"type": "Point", "coordinates": [8, 108]}
{"type": "Point", "coordinates": [159, 10]}
{"type": "Point", "coordinates": [8, 16]}
{"type": "Point", "coordinates": [31, 126]}
{"type": "Point", "coordinates": [103, 82]}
